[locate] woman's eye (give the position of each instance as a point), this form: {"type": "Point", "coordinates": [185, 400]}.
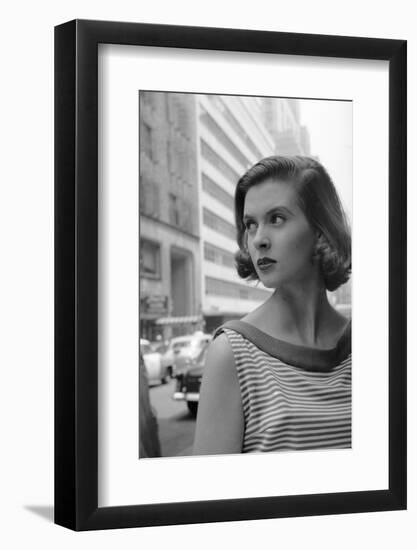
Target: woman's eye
{"type": "Point", "coordinates": [277, 219]}
{"type": "Point", "coordinates": [250, 225]}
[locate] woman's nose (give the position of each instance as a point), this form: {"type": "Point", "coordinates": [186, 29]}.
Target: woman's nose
{"type": "Point", "coordinates": [261, 240]}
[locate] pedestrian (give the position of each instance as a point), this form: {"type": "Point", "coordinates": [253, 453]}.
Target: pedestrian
{"type": "Point", "coordinates": [280, 378]}
{"type": "Point", "coordinates": [149, 445]}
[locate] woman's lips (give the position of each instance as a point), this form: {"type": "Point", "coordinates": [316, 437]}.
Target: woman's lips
{"type": "Point", "coordinates": [265, 263]}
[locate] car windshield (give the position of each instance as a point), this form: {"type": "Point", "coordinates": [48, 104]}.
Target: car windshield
{"type": "Point", "coordinates": [182, 344]}
{"type": "Point", "coordinates": [145, 348]}
{"type": "Point", "coordinates": [198, 344]}
{"type": "Point", "coordinates": [160, 348]}
{"type": "Point", "coordinates": [201, 358]}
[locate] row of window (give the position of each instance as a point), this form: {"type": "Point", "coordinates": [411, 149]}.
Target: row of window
{"type": "Point", "coordinates": [213, 189]}
{"type": "Point", "coordinates": [149, 259]}
{"type": "Point", "coordinates": [218, 162]}
{"type": "Point", "coordinates": [180, 162]}
{"type": "Point", "coordinates": [151, 99]}
{"type": "Point", "coordinates": [180, 108]}
{"type": "Point", "coordinates": [150, 267]}
{"type": "Point", "coordinates": [235, 124]}
{"type": "Point", "coordinates": [180, 213]}
{"type": "Point", "coordinates": [218, 224]}
{"type": "Point", "coordinates": [149, 199]}
{"type": "Point", "coordinates": [218, 255]}
{"type": "Point", "coordinates": [181, 158]}
{"type": "Point", "coordinates": [176, 107]}
{"type": "Point", "coordinates": [224, 139]}
{"type": "Point", "coordinates": [150, 263]}
{"type": "Point", "coordinates": [145, 139]}
{"type": "Point", "coordinates": [218, 287]}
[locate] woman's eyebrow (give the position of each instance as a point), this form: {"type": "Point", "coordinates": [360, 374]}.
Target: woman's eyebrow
{"type": "Point", "coordinates": [273, 210]}
{"type": "Point", "coordinates": [279, 209]}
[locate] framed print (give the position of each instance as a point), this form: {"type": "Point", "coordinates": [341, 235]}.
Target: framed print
{"type": "Point", "coordinates": [183, 255]}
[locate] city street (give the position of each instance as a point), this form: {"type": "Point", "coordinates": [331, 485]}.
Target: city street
{"type": "Point", "coordinates": [176, 425]}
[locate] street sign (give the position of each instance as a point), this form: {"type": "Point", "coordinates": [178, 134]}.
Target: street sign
{"type": "Point", "coordinates": [154, 303]}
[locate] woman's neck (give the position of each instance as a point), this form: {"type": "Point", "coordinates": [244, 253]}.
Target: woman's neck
{"type": "Point", "coordinates": [300, 315]}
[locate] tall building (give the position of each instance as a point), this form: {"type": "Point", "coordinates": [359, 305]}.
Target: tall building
{"type": "Point", "coordinates": [231, 137]}
{"type": "Point", "coordinates": [169, 248]}
{"type": "Point", "coordinates": [282, 118]}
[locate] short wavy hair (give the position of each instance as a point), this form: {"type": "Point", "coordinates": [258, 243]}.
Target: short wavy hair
{"type": "Point", "coordinates": [317, 198]}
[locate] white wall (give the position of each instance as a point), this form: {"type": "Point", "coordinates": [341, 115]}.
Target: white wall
{"type": "Point", "coordinates": [26, 218]}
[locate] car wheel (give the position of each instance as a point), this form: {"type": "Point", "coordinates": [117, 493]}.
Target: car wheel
{"type": "Point", "coordinates": [192, 407]}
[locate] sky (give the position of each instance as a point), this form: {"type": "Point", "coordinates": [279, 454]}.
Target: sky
{"type": "Point", "coordinates": [330, 127]}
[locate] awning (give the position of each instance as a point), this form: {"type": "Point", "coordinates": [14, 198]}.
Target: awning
{"type": "Point", "coordinates": [188, 319]}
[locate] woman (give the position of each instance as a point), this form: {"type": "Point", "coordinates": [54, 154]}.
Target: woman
{"type": "Point", "coordinates": [280, 378]}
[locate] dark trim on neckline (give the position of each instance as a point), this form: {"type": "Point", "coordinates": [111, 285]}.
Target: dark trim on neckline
{"type": "Point", "coordinates": [312, 359]}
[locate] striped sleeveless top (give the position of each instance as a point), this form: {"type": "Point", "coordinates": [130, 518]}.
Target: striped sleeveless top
{"type": "Point", "coordinates": [293, 397]}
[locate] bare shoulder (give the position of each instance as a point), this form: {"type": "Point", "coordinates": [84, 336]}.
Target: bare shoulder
{"type": "Point", "coordinates": [219, 427]}
{"type": "Point", "coordinates": [219, 368]}
{"type": "Point", "coordinates": [220, 349]}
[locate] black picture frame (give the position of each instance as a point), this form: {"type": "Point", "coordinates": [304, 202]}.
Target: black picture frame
{"type": "Point", "coordinates": [76, 272]}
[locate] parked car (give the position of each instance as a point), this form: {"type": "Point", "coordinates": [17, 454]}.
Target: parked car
{"type": "Point", "coordinates": [153, 364]}
{"type": "Point", "coordinates": [180, 348]}
{"type": "Point", "coordinates": [189, 379]}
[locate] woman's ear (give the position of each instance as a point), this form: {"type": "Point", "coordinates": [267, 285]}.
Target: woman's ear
{"type": "Point", "coordinates": [245, 242]}
{"type": "Point", "coordinates": [320, 246]}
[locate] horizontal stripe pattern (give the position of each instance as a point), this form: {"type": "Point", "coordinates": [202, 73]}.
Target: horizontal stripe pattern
{"type": "Point", "coordinates": [288, 407]}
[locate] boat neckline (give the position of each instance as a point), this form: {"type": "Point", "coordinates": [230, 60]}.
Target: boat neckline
{"type": "Point", "coordinates": [294, 354]}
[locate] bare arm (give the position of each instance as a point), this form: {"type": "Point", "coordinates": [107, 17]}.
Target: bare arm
{"type": "Point", "coordinates": [220, 420]}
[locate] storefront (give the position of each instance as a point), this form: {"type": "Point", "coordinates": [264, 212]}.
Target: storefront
{"type": "Point", "coordinates": [152, 307]}
{"type": "Point", "coordinates": [180, 326]}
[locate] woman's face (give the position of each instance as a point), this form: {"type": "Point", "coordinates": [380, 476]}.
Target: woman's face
{"type": "Point", "coordinates": [280, 240]}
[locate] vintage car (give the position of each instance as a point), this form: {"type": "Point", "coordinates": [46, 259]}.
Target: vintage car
{"type": "Point", "coordinates": [189, 380]}
{"type": "Point", "coordinates": [182, 347]}
{"type": "Point", "coordinates": [154, 369]}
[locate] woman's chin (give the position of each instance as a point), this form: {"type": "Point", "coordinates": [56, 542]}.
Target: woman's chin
{"type": "Point", "coordinates": [270, 285]}
{"type": "Point", "coordinates": [268, 282]}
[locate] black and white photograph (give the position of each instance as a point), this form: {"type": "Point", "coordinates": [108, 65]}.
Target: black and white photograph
{"type": "Point", "coordinates": [237, 204]}
{"type": "Point", "coordinates": [245, 277]}
{"type": "Point", "coordinates": [208, 281]}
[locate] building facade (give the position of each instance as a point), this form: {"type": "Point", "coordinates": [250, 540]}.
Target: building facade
{"type": "Point", "coordinates": [169, 247]}
{"type": "Point", "coordinates": [232, 136]}
{"type": "Point", "coordinates": [282, 118]}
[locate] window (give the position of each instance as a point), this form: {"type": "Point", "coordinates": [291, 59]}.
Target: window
{"type": "Point", "coordinates": [149, 200]}
{"type": "Point", "coordinates": [213, 189]}
{"type": "Point", "coordinates": [223, 138]}
{"type": "Point", "coordinates": [174, 213]}
{"type": "Point", "coordinates": [218, 287]}
{"type": "Point", "coordinates": [149, 99]}
{"type": "Point", "coordinates": [218, 224]}
{"type": "Point", "coordinates": [146, 140]}
{"type": "Point", "coordinates": [235, 124]}
{"type": "Point", "coordinates": [218, 162]}
{"type": "Point", "coordinates": [150, 259]}
{"type": "Point", "coordinates": [209, 253]}
{"type": "Point", "coordinates": [218, 255]}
